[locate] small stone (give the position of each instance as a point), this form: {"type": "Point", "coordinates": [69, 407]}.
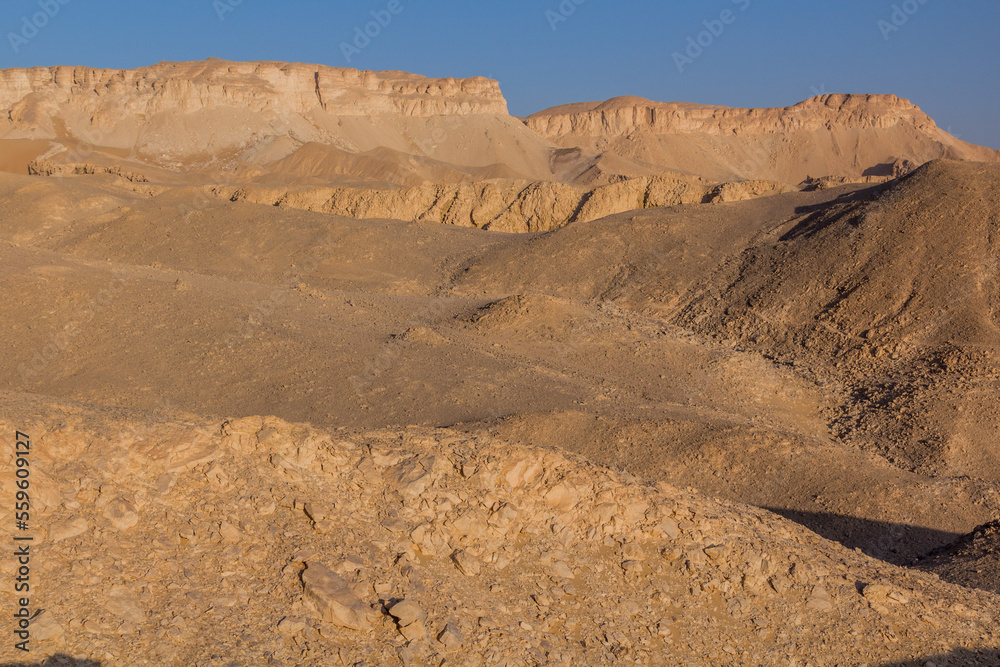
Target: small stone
{"type": "Point", "coordinates": [669, 528]}
{"type": "Point", "coordinates": [229, 532]}
{"type": "Point", "coordinates": [323, 527]}
{"type": "Point", "coordinates": [291, 626]}
{"type": "Point", "coordinates": [716, 552]}
{"type": "Point", "coordinates": [407, 612]}
{"type": "Point", "coordinates": [121, 514]}
{"type": "Point", "coordinates": [414, 631]}
{"type": "Point", "coordinates": [542, 600]}
{"type": "Point", "coordinates": [562, 497]}
{"type": "Point", "coordinates": [882, 593]}
{"type": "Point", "coordinates": [451, 636]}
{"type": "Point", "coordinates": [819, 600]}
{"type": "Point", "coordinates": [64, 530]}
{"type": "Point", "coordinates": [121, 603]}
{"type": "Point", "coordinates": [406, 656]}
{"type": "Point", "coordinates": [632, 567]}
{"type": "Point", "coordinates": [315, 512]}
{"type": "Point", "coordinates": [334, 598]}
{"type": "Point", "coordinates": [466, 563]}
{"type": "Point", "coordinates": [45, 627]}
{"type": "Point", "coordinates": [562, 570]}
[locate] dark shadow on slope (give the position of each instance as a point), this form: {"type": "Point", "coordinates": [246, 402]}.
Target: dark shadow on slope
{"type": "Point", "coordinates": [969, 561]}
{"type": "Point", "coordinates": [824, 214]}
{"type": "Point", "coordinates": [896, 543]}
{"type": "Point", "coordinates": [882, 170]}
{"type": "Point", "coordinates": [58, 660]}
{"type": "Point", "coordinates": [961, 657]}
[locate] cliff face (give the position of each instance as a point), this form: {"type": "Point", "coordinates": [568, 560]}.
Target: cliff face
{"type": "Point", "coordinates": [620, 117]}
{"type": "Point", "coordinates": [184, 115]}
{"type": "Point", "coordinates": [255, 86]}
{"type": "Point", "coordinates": [297, 125]}
{"type": "Point", "coordinates": [847, 136]}
{"type": "Point", "coordinates": [496, 204]}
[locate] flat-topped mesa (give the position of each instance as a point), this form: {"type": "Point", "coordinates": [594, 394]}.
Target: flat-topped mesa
{"type": "Point", "coordinates": [621, 116]}
{"type": "Point", "coordinates": [255, 86]}
{"type": "Point", "coordinates": [232, 115]}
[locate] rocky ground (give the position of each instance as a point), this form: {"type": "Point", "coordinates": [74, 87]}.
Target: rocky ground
{"type": "Point", "coordinates": [257, 541]}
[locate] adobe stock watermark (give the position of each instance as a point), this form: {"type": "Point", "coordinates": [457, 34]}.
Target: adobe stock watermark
{"type": "Point", "coordinates": [899, 17]}
{"type": "Point", "coordinates": [697, 45]}
{"type": "Point", "coordinates": [562, 13]}
{"type": "Point", "coordinates": [223, 7]}
{"type": "Point", "coordinates": [31, 25]}
{"type": "Point", "coordinates": [363, 35]}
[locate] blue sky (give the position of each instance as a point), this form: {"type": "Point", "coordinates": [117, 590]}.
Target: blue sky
{"type": "Point", "coordinates": [942, 55]}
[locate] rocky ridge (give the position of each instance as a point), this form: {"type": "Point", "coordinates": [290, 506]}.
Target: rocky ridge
{"type": "Point", "coordinates": [622, 116]}
{"type": "Point", "coordinates": [254, 86]}
{"type": "Point", "coordinates": [848, 137]}
{"type": "Point", "coordinates": [497, 205]}
{"type": "Point", "coordinates": [275, 124]}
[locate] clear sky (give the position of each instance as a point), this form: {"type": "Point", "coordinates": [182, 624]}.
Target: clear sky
{"type": "Point", "coordinates": [944, 55]}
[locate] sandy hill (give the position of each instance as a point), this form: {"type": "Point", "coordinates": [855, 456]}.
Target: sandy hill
{"type": "Point", "coordinates": [562, 339]}
{"type": "Point", "coordinates": [845, 136]}
{"type": "Point", "coordinates": [176, 540]}
{"type": "Point", "coordinates": [893, 292]}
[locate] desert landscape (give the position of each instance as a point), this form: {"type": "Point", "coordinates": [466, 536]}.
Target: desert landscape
{"type": "Point", "coordinates": [325, 366]}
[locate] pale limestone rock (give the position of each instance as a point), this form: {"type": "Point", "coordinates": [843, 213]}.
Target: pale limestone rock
{"type": "Point", "coordinates": [121, 513]}
{"type": "Point", "coordinates": [45, 627]}
{"type": "Point", "coordinates": [121, 603]}
{"type": "Point", "coordinates": [407, 612]}
{"type": "Point", "coordinates": [334, 598]}
{"type": "Point", "coordinates": [230, 533]}
{"type": "Point", "coordinates": [633, 551]}
{"type": "Point", "coordinates": [291, 626]}
{"type": "Point", "coordinates": [451, 637]}
{"type": "Point", "coordinates": [466, 563]}
{"type": "Point", "coordinates": [819, 600]}
{"type": "Point", "coordinates": [67, 529]}
{"type": "Point", "coordinates": [200, 449]}
{"type": "Point", "coordinates": [241, 434]}
{"type": "Point", "coordinates": [716, 552]}
{"type": "Point", "coordinates": [522, 473]}
{"type": "Point", "coordinates": [562, 497]}
{"type": "Point", "coordinates": [315, 512]}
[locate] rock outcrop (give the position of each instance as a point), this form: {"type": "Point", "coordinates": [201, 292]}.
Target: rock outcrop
{"type": "Point", "coordinates": [497, 205]}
